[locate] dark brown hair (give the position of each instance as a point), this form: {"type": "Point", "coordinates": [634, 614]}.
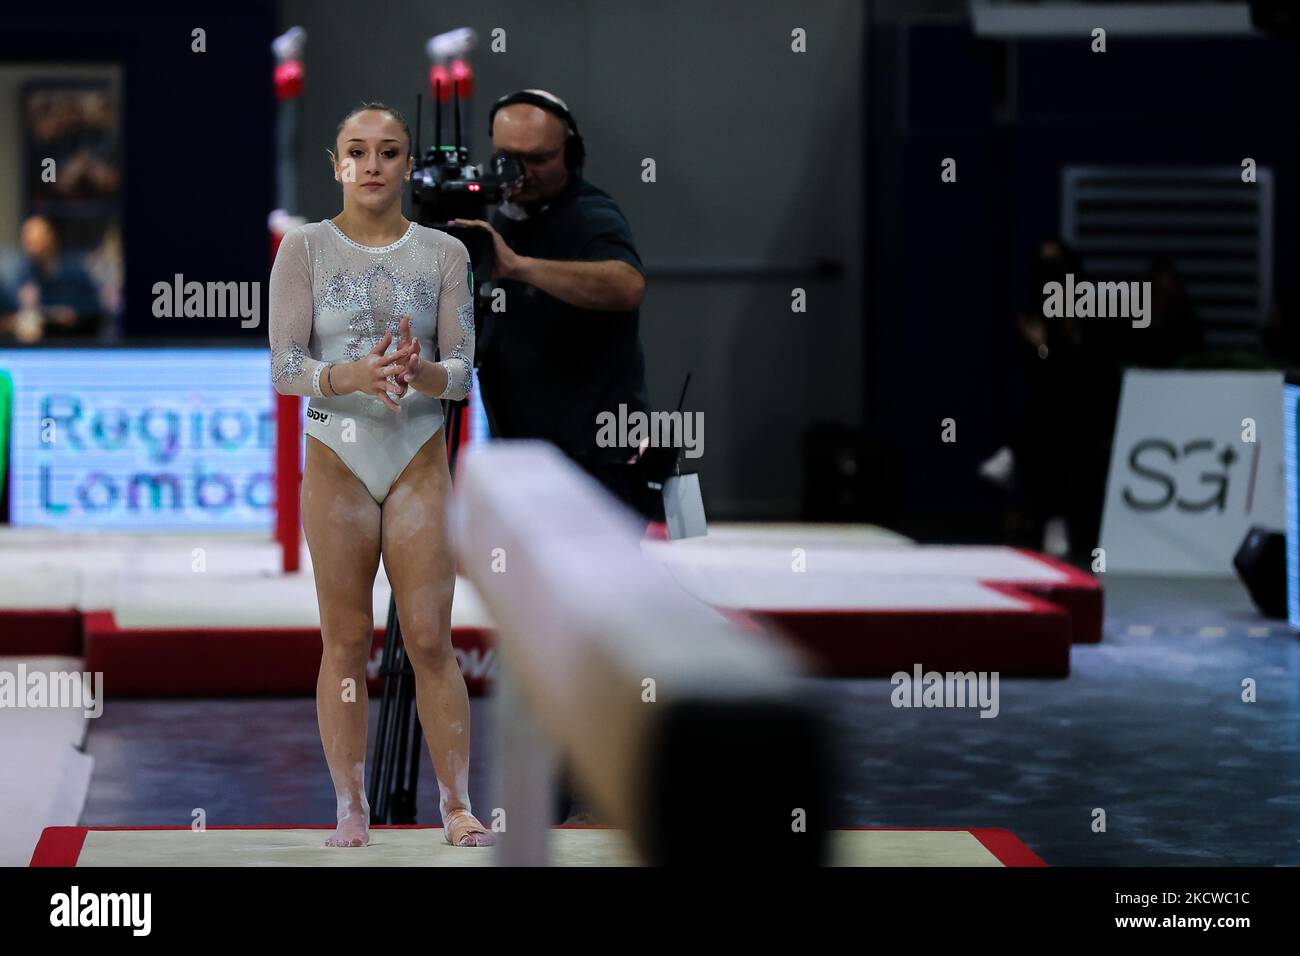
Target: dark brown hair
{"type": "Point", "coordinates": [365, 107]}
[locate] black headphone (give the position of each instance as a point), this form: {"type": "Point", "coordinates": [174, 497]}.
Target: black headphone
{"type": "Point", "coordinates": [575, 151]}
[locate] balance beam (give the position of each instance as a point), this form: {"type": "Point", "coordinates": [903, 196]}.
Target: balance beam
{"type": "Point", "coordinates": [682, 728]}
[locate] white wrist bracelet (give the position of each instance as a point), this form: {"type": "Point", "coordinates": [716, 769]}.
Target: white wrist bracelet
{"type": "Point", "coordinates": [315, 377]}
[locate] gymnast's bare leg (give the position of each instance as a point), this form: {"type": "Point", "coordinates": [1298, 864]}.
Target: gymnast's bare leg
{"type": "Point", "coordinates": [342, 524]}
{"type": "Point", "coordinates": [421, 568]}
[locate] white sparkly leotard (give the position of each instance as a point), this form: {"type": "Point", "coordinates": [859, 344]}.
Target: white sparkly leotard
{"type": "Point", "coordinates": [332, 299]}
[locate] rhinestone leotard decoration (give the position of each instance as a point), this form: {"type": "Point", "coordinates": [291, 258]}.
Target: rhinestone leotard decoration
{"type": "Point", "coordinates": [291, 364]}
{"type": "Point", "coordinates": [376, 299]}
{"type": "Point", "coordinates": [456, 364]}
{"type": "Point", "coordinates": [334, 299]}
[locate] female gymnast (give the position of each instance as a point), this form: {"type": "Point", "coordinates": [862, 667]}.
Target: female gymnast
{"type": "Point", "coordinates": [342, 293]}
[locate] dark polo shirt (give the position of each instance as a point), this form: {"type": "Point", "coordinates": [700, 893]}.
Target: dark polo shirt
{"type": "Point", "coordinates": [548, 368]}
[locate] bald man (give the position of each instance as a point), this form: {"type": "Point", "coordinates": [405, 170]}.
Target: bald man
{"type": "Point", "coordinates": [567, 347]}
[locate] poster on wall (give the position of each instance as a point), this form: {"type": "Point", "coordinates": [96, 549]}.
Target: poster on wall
{"type": "Point", "coordinates": [69, 269]}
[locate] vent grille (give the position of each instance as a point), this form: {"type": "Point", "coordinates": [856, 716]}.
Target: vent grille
{"type": "Point", "coordinates": [1217, 229]}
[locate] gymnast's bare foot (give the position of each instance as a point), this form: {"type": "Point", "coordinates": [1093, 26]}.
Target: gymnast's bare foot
{"type": "Point", "coordinates": [461, 828]}
{"type": "Point", "coordinates": [353, 830]}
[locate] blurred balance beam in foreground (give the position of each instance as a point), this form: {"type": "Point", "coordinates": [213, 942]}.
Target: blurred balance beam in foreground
{"type": "Point", "coordinates": [683, 728]}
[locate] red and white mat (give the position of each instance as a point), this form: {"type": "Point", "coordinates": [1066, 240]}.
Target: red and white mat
{"type": "Point", "coordinates": [424, 846]}
{"type": "Point", "coordinates": [182, 615]}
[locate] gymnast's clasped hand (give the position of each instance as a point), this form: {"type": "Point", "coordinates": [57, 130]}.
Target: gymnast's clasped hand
{"type": "Point", "coordinates": [386, 377]}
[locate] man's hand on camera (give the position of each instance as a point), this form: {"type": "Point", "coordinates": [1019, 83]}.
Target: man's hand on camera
{"type": "Point", "coordinates": [505, 263]}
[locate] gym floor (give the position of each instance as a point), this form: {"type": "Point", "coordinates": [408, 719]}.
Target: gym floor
{"type": "Point", "coordinates": [1150, 727]}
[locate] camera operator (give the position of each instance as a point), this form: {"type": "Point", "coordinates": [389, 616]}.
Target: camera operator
{"type": "Point", "coordinates": [567, 345]}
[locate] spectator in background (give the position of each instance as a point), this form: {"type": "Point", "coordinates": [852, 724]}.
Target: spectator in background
{"type": "Point", "coordinates": [53, 287]}
{"type": "Point", "coordinates": [1175, 334]}
{"type": "Point", "coordinates": [1059, 445]}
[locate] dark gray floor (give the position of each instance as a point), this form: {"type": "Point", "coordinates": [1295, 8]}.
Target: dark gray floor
{"type": "Point", "coordinates": [1150, 727]}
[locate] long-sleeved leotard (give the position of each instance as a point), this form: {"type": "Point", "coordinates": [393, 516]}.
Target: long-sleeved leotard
{"type": "Point", "coordinates": [332, 299]}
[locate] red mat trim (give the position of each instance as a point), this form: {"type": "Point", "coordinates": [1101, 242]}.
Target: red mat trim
{"type": "Point", "coordinates": [1007, 847]}
{"type": "Point", "coordinates": [61, 846]}
{"type": "Point", "coordinates": [1002, 843]}
{"type": "Point", "coordinates": [1080, 593]}
{"type": "Point", "coordinates": [41, 631]}
{"type": "Point", "coordinates": [1028, 641]}
{"type": "Point", "coordinates": [222, 661]}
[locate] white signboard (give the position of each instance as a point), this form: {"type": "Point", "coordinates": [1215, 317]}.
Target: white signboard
{"type": "Point", "coordinates": [1197, 461]}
